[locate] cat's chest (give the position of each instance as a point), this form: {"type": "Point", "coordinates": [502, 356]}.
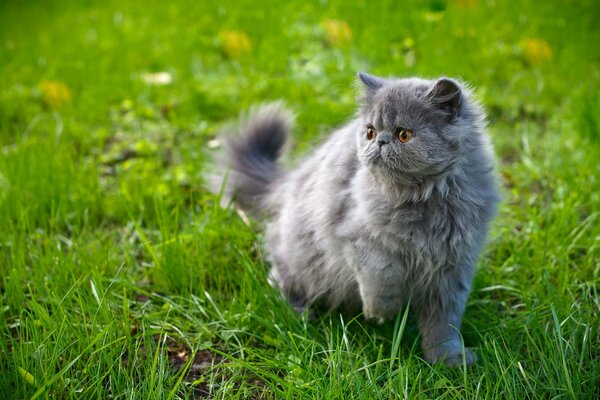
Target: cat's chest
{"type": "Point", "coordinates": [412, 221]}
{"type": "Point", "coordinates": [412, 225]}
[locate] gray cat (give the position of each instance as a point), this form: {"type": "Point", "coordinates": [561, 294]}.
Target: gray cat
{"type": "Point", "coordinates": [393, 209]}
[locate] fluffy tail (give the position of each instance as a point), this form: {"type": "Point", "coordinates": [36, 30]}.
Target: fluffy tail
{"type": "Point", "coordinates": [253, 154]}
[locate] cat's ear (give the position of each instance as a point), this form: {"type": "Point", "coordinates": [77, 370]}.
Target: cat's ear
{"type": "Point", "coordinates": [371, 85]}
{"type": "Point", "coordinates": [371, 82]}
{"type": "Point", "coordinates": [446, 94]}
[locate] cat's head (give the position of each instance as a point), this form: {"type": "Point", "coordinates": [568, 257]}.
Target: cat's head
{"type": "Point", "coordinates": [413, 129]}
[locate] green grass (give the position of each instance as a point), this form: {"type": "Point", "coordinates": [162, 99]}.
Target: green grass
{"type": "Point", "coordinates": [120, 277]}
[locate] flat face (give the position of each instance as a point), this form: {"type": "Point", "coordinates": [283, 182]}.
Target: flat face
{"type": "Point", "coordinates": [405, 135]}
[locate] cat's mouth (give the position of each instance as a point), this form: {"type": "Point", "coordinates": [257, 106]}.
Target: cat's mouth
{"type": "Point", "coordinates": [387, 167]}
{"type": "Point", "coordinates": [385, 156]}
{"type": "Point", "coordinates": [390, 165]}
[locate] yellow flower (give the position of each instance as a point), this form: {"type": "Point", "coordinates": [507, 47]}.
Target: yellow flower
{"type": "Point", "coordinates": [536, 51]}
{"type": "Point", "coordinates": [235, 43]}
{"type": "Point", "coordinates": [337, 32]}
{"type": "Point", "coordinates": [54, 93]}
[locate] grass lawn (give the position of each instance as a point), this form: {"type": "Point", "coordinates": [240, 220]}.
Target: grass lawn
{"type": "Point", "coordinates": [121, 277]}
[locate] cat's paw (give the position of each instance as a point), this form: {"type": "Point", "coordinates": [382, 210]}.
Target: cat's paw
{"type": "Point", "coordinates": [456, 359]}
{"type": "Point", "coordinates": [380, 308]}
{"type": "Point", "coordinates": [304, 311]}
{"type": "Point", "coordinates": [452, 357]}
{"type": "Point", "coordinates": [371, 314]}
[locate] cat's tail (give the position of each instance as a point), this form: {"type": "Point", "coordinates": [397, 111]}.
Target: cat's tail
{"type": "Point", "coordinates": [252, 155]}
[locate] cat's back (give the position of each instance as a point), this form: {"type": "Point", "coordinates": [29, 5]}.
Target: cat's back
{"type": "Point", "coordinates": [314, 189]}
{"type": "Point", "coordinates": [313, 200]}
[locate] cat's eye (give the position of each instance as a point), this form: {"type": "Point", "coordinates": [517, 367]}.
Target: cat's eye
{"type": "Point", "coordinates": [371, 133]}
{"type": "Point", "coordinates": [404, 135]}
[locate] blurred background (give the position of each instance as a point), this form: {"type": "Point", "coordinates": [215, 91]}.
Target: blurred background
{"type": "Point", "coordinates": [109, 113]}
{"type": "Point", "coordinates": [181, 68]}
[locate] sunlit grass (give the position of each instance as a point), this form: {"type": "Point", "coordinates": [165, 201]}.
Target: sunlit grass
{"type": "Point", "coordinates": [120, 275]}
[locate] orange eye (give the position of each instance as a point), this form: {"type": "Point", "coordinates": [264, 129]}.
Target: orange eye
{"type": "Point", "coordinates": [404, 135]}
{"type": "Point", "coordinates": [371, 133]}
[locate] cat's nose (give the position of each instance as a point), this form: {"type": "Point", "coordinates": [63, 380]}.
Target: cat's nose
{"type": "Point", "coordinates": [383, 138]}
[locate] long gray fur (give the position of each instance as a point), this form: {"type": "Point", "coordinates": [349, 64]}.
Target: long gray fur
{"type": "Point", "coordinates": [376, 224]}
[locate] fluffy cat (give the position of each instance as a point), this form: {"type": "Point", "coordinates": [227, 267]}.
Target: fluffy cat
{"type": "Point", "coordinates": [392, 209]}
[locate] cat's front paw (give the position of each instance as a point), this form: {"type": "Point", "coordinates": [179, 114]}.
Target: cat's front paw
{"type": "Point", "coordinates": [381, 307]}
{"type": "Point", "coordinates": [371, 314]}
{"type": "Point", "coordinates": [456, 359]}
{"type": "Point", "coordinates": [452, 357]}
{"type": "Point", "coordinates": [376, 312]}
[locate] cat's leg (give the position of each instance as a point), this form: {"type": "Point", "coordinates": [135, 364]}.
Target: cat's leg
{"type": "Point", "coordinates": [281, 279]}
{"type": "Point", "coordinates": [378, 280]}
{"type": "Point", "coordinates": [440, 315]}
{"type": "Point", "coordinates": [380, 292]}
{"type": "Point", "coordinates": [284, 265]}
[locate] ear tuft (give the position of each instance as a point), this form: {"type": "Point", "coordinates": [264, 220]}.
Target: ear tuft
{"type": "Point", "coordinates": [372, 82]}
{"type": "Point", "coordinates": [447, 95]}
